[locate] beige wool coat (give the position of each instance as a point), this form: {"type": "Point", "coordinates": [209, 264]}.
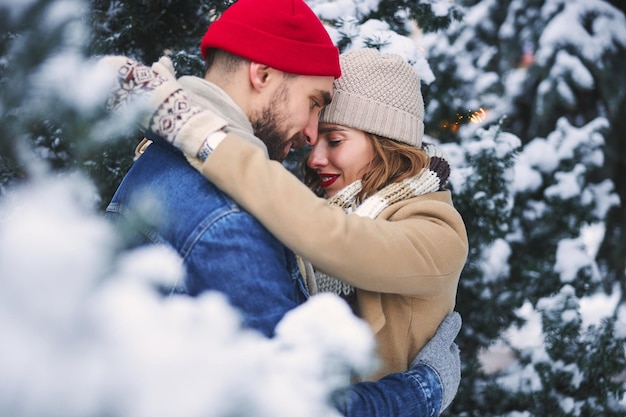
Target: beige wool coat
{"type": "Point", "coordinates": [405, 264]}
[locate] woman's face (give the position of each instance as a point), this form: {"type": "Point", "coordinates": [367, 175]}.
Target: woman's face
{"type": "Point", "coordinates": [340, 156]}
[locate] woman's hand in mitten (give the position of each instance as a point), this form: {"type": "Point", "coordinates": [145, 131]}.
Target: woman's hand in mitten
{"type": "Point", "coordinates": [168, 110]}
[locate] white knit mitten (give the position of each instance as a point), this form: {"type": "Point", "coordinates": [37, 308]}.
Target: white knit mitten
{"type": "Point", "coordinates": [169, 111]}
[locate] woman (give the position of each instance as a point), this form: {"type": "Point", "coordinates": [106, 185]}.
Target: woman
{"type": "Point", "coordinates": [401, 274]}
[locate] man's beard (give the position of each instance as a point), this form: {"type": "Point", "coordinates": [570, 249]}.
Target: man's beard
{"type": "Point", "coordinates": [266, 127]}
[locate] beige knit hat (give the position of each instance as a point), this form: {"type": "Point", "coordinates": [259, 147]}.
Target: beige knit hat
{"type": "Point", "coordinates": [380, 94]}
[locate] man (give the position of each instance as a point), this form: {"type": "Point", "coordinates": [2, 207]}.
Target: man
{"type": "Point", "coordinates": [270, 69]}
{"type": "Point", "coordinates": [278, 99]}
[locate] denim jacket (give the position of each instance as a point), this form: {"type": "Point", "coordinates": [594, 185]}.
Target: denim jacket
{"type": "Point", "coordinates": [223, 247]}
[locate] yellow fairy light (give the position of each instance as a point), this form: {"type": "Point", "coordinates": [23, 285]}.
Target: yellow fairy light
{"type": "Point", "coordinates": [478, 116]}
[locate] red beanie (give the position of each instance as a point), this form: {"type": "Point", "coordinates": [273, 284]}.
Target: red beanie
{"type": "Point", "coordinates": [284, 34]}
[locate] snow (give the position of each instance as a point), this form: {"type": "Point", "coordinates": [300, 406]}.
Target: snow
{"type": "Point", "coordinates": [567, 28]}
{"type": "Point", "coordinates": [486, 80]}
{"type": "Point", "coordinates": [571, 256]}
{"type": "Point", "coordinates": [599, 306]}
{"type": "Point", "coordinates": [478, 13]}
{"type": "Point", "coordinates": [347, 14]}
{"type": "Point", "coordinates": [527, 179]}
{"type": "Point", "coordinates": [342, 9]}
{"type": "Point", "coordinates": [441, 8]}
{"type": "Point", "coordinates": [505, 143]}
{"type": "Point", "coordinates": [604, 196]}
{"type": "Point", "coordinates": [530, 334]}
{"type": "Point", "coordinates": [81, 85]}
{"type": "Point", "coordinates": [494, 263]}
{"type": "Point", "coordinates": [30, 233]}
{"type": "Point", "coordinates": [543, 156]}
{"type": "Point", "coordinates": [567, 184]}
{"type": "Point", "coordinates": [86, 333]}
{"type": "Point", "coordinates": [62, 12]}
{"type": "Point", "coordinates": [569, 65]}
{"type": "Point", "coordinates": [379, 32]}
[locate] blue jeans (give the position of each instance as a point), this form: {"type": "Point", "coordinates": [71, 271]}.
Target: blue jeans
{"type": "Point", "coordinates": [414, 393]}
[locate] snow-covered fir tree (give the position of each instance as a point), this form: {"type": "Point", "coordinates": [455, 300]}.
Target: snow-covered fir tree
{"type": "Point", "coordinates": [537, 68]}
{"type": "Point", "coordinates": [524, 96]}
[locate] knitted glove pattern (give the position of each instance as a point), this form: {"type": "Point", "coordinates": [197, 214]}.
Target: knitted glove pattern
{"type": "Point", "coordinates": [170, 112]}
{"type": "Point", "coordinates": [442, 355]}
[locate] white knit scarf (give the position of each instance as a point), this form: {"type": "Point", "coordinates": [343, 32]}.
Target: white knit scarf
{"type": "Point", "coordinates": [431, 179]}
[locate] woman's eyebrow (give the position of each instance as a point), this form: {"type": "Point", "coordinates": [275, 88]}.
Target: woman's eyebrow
{"type": "Point", "coordinates": [328, 129]}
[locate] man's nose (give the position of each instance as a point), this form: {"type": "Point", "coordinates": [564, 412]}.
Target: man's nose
{"type": "Point", "coordinates": [311, 141]}
{"type": "Point", "coordinates": [310, 132]}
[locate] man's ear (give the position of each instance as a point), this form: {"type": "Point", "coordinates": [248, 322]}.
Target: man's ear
{"type": "Point", "coordinates": [260, 75]}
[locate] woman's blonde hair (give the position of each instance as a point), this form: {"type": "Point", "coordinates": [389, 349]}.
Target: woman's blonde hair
{"type": "Point", "coordinates": [393, 162]}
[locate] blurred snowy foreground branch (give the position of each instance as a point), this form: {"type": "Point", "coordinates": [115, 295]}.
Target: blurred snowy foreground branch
{"type": "Point", "coordinates": [85, 333]}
